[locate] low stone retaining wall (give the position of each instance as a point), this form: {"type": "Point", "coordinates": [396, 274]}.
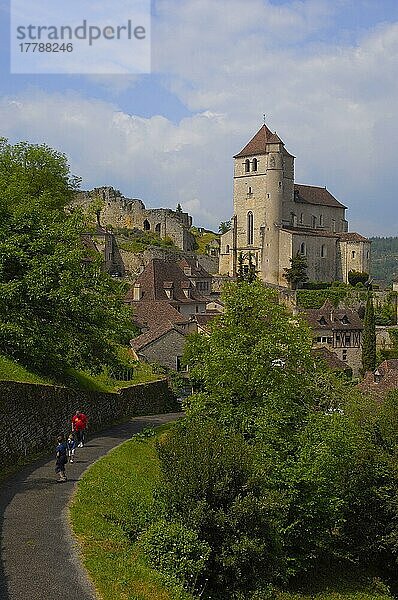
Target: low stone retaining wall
{"type": "Point", "coordinates": [31, 416]}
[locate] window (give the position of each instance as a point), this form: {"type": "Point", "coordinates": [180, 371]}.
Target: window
{"type": "Point", "coordinates": [303, 249]}
{"type": "Point", "coordinates": [367, 254]}
{"type": "Point", "coordinates": [353, 254]}
{"type": "Point", "coordinates": [313, 222]}
{"type": "Point", "coordinates": [254, 164]}
{"type": "Point", "coordinates": [293, 219]}
{"type": "Point", "coordinates": [147, 225]}
{"type": "Point", "coordinates": [320, 220]}
{"type": "Point", "coordinates": [323, 251]}
{"type": "Point", "coordinates": [333, 226]}
{"type": "Point", "coordinates": [280, 185]}
{"type": "Point", "coordinates": [157, 228]}
{"type": "Point", "coordinates": [250, 191]}
{"type": "Point", "coordinates": [250, 228]}
{"type": "Point", "coordinates": [227, 249]}
{"type": "Point", "coordinates": [301, 218]}
{"type": "Point", "coordinates": [344, 354]}
{"type": "Point", "coordinates": [247, 166]}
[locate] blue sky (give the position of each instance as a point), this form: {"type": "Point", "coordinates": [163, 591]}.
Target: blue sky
{"type": "Point", "coordinates": [324, 71]}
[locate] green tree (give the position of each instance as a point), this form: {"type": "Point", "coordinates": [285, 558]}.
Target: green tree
{"type": "Point", "coordinates": [355, 277]}
{"type": "Point", "coordinates": [224, 226]}
{"type": "Point", "coordinates": [246, 272]}
{"type": "Point", "coordinates": [270, 436]}
{"type": "Point", "coordinates": [57, 308]}
{"type": "Point", "coordinates": [369, 337]}
{"type": "Point", "coordinates": [254, 356]}
{"type": "Point", "coordinates": [297, 273]}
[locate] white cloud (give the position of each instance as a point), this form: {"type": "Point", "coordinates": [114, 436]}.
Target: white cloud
{"type": "Point", "coordinates": [335, 105]}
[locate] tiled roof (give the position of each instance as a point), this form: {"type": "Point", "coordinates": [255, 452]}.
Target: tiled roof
{"type": "Point", "coordinates": [386, 382]}
{"type": "Point", "coordinates": [330, 318]}
{"type": "Point", "coordinates": [204, 319]}
{"type": "Point", "coordinates": [352, 236]}
{"type": "Point", "coordinates": [160, 273]}
{"type": "Point", "coordinates": [310, 232]}
{"type": "Point", "coordinates": [153, 314]}
{"type": "Point", "coordinates": [331, 358]}
{"type": "Point", "coordinates": [196, 268]}
{"type": "Point", "coordinates": [152, 335]}
{"type": "Point", "coordinates": [257, 144]}
{"type": "Point", "coordinates": [312, 194]}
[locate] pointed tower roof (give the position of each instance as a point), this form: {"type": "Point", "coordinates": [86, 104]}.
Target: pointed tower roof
{"type": "Point", "coordinates": [258, 142]}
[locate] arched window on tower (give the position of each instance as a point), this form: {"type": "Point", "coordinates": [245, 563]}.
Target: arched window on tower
{"type": "Point", "coordinates": [247, 165]}
{"type": "Point", "coordinates": [303, 249]}
{"type": "Point", "coordinates": [147, 225]}
{"type": "Point", "coordinates": [157, 228]}
{"type": "Point", "coordinates": [254, 164]}
{"type": "Point", "coordinates": [227, 249]}
{"type": "Point", "coordinates": [250, 228]}
{"type": "Point", "coordinates": [323, 251]}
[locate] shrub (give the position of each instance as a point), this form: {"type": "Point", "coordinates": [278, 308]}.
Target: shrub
{"type": "Point", "coordinates": [208, 482]}
{"type": "Point", "coordinates": [176, 551]}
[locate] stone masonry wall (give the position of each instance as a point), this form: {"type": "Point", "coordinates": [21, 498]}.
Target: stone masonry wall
{"type": "Point", "coordinates": [120, 212]}
{"type": "Point", "coordinates": [31, 416]}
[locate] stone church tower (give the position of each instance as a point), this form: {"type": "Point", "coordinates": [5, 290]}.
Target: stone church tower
{"type": "Point", "coordinates": [263, 180]}
{"type": "Point", "coordinates": [274, 219]}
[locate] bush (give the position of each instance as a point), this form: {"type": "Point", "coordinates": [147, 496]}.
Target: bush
{"type": "Point", "coordinates": [208, 482]}
{"type": "Point", "coordinates": [175, 551]}
{"type": "Point", "coordinates": [355, 277]}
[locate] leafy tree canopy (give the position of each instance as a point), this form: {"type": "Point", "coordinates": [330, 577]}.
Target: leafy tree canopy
{"type": "Point", "coordinates": [224, 226]}
{"type": "Point", "coordinates": [57, 308]}
{"type": "Point", "coordinates": [297, 273]}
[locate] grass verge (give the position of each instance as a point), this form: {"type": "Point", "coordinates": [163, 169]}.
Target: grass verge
{"type": "Point", "coordinates": [107, 499]}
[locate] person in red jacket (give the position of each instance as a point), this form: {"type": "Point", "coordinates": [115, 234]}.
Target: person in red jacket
{"type": "Point", "coordinates": [79, 425]}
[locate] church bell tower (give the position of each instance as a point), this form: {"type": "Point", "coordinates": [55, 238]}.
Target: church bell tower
{"type": "Point", "coordinates": [263, 181]}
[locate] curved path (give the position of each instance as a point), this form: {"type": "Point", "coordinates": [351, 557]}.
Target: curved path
{"type": "Point", "coordinates": [39, 558]}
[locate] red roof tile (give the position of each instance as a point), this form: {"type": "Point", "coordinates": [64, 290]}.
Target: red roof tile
{"type": "Point", "coordinates": [312, 194]}
{"type": "Point", "coordinates": [330, 318]}
{"type": "Point", "coordinates": [257, 144]}
{"type": "Point", "coordinates": [386, 382]}
{"type": "Point", "coordinates": [159, 274]}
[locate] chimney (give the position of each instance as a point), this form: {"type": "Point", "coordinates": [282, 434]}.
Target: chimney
{"type": "Point", "coordinates": [137, 293]}
{"type": "Point", "coordinates": [377, 376]}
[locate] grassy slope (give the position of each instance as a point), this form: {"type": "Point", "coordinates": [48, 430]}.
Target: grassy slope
{"type": "Point", "coordinates": [108, 487]}
{"type": "Point", "coordinates": [12, 371]}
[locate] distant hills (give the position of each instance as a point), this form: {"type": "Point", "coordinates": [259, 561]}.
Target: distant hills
{"type": "Point", "coordinates": [385, 258]}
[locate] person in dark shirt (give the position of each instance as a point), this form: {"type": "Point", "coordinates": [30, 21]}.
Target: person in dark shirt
{"type": "Point", "coordinates": [61, 458]}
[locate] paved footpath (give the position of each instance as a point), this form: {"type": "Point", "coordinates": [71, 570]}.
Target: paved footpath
{"type": "Point", "coordinates": [39, 559]}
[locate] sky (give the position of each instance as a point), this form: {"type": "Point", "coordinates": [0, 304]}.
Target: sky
{"type": "Point", "coordinates": [325, 73]}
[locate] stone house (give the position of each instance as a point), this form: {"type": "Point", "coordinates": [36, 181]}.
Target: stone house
{"type": "Point", "coordinates": [339, 330]}
{"type": "Point", "coordinates": [166, 299]}
{"type": "Point", "coordinates": [165, 281]}
{"type": "Point", "coordinates": [275, 218]}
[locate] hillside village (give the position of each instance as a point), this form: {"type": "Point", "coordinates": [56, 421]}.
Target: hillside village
{"type": "Point", "coordinates": [175, 284]}
{"type": "Point", "coordinates": [273, 398]}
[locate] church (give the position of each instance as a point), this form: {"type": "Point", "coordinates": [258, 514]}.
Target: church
{"type": "Point", "coordinates": [275, 218]}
